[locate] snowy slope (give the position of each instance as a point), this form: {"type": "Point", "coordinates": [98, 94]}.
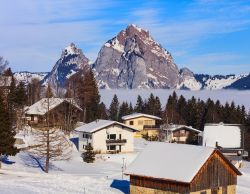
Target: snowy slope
{"type": "Point", "coordinates": [26, 77]}
{"type": "Point", "coordinates": [219, 81]}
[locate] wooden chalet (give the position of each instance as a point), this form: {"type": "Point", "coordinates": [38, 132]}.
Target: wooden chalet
{"type": "Point", "coordinates": [168, 168]}
{"type": "Point", "coordinates": [60, 112]}
{"type": "Point", "coordinates": [179, 133]}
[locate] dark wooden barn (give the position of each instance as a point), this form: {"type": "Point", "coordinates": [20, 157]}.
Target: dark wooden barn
{"type": "Point", "coordinates": [182, 169]}
{"type": "Point", "coordinates": [62, 113]}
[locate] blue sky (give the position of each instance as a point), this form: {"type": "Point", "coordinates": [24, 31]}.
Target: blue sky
{"type": "Point", "coordinates": [207, 36]}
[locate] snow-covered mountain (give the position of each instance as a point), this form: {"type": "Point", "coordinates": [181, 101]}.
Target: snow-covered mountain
{"type": "Point", "coordinates": [188, 81]}
{"type": "Point", "coordinates": [71, 61]}
{"type": "Point", "coordinates": [26, 77]}
{"type": "Point", "coordinates": [223, 81]}
{"type": "Point", "coordinates": [132, 59]}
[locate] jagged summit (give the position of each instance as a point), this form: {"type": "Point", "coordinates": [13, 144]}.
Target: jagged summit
{"type": "Point", "coordinates": [133, 59]}
{"type": "Point", "coordinates": [71, 61]}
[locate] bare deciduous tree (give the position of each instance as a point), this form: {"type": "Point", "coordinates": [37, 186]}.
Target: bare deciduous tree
{"type": "Point", "coordinates": [3, 64]}
{"type": "Point", "coordinates": [52, 144]}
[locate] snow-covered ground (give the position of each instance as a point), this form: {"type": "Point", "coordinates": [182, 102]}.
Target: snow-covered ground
{"type": "Point", "coordinates": [75, 176]}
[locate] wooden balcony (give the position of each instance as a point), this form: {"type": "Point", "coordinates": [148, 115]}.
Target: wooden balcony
{"type": "Point", "coordinates": [116, 141]}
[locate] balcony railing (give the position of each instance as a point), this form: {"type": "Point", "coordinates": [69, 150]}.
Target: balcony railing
{"type": "Point", "coordinates": [116, 141]}
{"type": "Point", "coordinates": [151, 127]}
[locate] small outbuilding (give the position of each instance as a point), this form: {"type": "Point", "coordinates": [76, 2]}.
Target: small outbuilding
{"type": "Point", "coordinates": [169, 168]}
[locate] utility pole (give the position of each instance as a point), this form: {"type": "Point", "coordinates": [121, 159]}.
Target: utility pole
{"type": "Point", "coordinates": [122, 166]}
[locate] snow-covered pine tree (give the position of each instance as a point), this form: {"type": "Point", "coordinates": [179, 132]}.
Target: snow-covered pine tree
{"type": "Point", "coordinates": [88, 155]}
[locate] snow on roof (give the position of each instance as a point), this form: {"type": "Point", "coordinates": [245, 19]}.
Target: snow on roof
{"type": "Point", "coordinates": [177, 127]}
{"type": "Point", "coordinates": [100, 124]}
{"type": "Point", "coordinates": [227, 135]}
{"type": "Point", "coordinates": [135, 115]}
{"type": "Point", "coordinates": [41, 107]}
{"type": "Point", "coordinates": [165, 161]}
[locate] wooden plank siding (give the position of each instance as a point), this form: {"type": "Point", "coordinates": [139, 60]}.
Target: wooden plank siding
{"type": "Point", "coordinates": [215, 172]}
{"type": "Point", "coordinates": [159, 184]}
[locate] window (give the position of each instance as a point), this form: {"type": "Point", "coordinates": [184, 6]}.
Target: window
{"type": "Point", "coordinates": [148, 122]}
{"type": "Point", "coordinates": [83, 146]}
{"type": "Point", "coordinates": [111, 147]}
{"type": "Point", "coordinates": [112, 136]}
{"type": "Point", "coordinates": [32, 117]}
{"type": "Point", "coordinates": [203, 192]}
{"type": "Point", "coordinates": [120, 136]}
{"type": "Point", "coordinates": [131, 122]}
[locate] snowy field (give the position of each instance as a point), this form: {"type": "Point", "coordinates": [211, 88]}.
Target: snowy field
{"type": "Point", "coordinates": [238, 96]}
{"type": "Point", "coordinates": [74, 176]}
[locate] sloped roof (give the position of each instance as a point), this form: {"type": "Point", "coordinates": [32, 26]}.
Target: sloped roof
{"type": "Point", "coordinates": [100, 124]}
{"type": "Point", "coordinates": [227, 135]}
{"type": "Point", "coordinates": [41, 107]}
{"type": "Point", "coordinates": [174, 162]}
{"type": "Point", "coordinates": [177, 127]}
{"type": "Point", "coordinates": [136, 115]}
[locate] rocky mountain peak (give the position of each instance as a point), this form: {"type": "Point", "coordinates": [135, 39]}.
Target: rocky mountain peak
{"type": "Point", "coordinates": [71, 61]}
{"type": "Point", "coordinates": [133, 59]}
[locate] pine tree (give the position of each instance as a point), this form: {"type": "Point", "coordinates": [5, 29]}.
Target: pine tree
{"type": "Point", "coordinates": [89, 97]}
{"type": "Point", "coordinates": [102, 111]}
{"type": "Point", "coordinates": [124, 110]}
{"type": "Point", "coordinates": [170, 114]}
{"type": "Point", "coordinates": [89, 155]}
{"type": "Point", "coordinates": [6, 131]}
{"type": "Point", "coordinates": [11, 101]}
{"type": "Point", "coordinates": [114, 109]}
{"type": "Point", "coordinates": [181, 104]}
{"type": "Point", "coordinates": [151, 105]}
{"type": "Point", "coordinates": [130, 109]}
{"type": "Point", "coordinates": [139, 107]}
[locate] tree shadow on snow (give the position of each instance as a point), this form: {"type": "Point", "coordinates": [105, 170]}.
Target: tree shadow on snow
{"type": "Point", "coordinates": [122, 185]}
{"type": "Point", "coordinates": [36, 162]}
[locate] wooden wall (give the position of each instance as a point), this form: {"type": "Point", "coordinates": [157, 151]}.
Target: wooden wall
{"type": "Point", "coordinates": [214, 173]}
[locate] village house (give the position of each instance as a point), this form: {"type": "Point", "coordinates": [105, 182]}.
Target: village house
{"type": "Point", "coordinates": [180, 168]}
{"type": "Point", "coordinates": [180, 133]}
{"type": "Point", "coordinates": [144, 123]}
{"type": "Point", "coordinates": [63, 113]}
{"type": "Point", "coordinates": [106, 136]}
{"type": "Point", "coordinates": [229, 138]}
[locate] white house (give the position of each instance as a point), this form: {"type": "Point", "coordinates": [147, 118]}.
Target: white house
{"type": "Point", "coordinates": [229, 138]}
{"type": "Point", "coordinates": [222, 135]}
{"type": "Point", "coordinates": [106, 136]}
